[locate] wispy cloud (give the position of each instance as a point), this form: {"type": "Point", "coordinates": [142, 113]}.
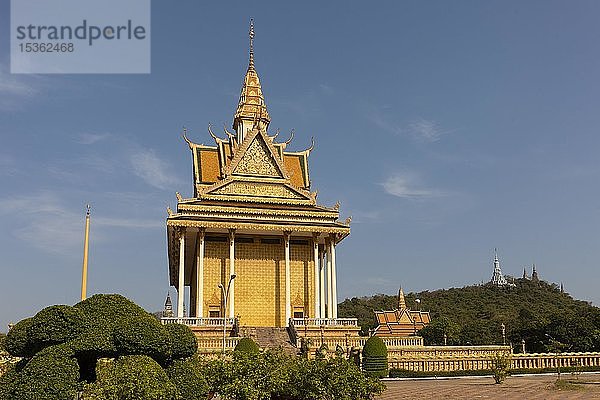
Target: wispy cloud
{"type": "Point", "coordinates": [421, 129]}
{"type": "Point", "coordinates": [384, 123]}
{"type": "Point", "coordinates": [128, 223]}
{"type": "Point", "coordinates": [407, 185]}
{"type": "Point", "coordinates": [426, 130]}
{"type": "Point", "coordinates": [148, 166]}
{"type": "Point", "coordinates": [44, 221]}
{"type": "Point", "coordinates": [91, 138]}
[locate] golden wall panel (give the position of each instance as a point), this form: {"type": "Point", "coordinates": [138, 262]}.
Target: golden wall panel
{"type": "Point", "coordinates": [260, 282]}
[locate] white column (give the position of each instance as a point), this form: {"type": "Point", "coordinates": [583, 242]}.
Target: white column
{"type": "Point", "coordinates": [316, 291]}
{"type": "Point", "coordinates": [329, 292]}
{"type": "Point", "coordinates": [322, 283]}
{"type": "Point", "coordinates": [200, 275]}
{"type": "Point", "coordinates": [334, 304]}
{"type": "Point", "coordinates": [231, 272]}
{"type": "Point", "coordinates": [288, 287]}
{"type": "Point", "coordinates": [181, 285]}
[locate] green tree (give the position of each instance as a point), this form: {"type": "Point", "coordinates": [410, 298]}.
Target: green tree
{"type": "Point", "coordinates": [441, 331]}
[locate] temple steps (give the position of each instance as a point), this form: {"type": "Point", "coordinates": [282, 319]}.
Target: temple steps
{"type": "Point", "coordinates": [272, 338]}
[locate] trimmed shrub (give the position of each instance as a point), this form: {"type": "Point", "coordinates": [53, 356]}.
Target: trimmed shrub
{"type": "Point", "coordinates": [186, 375]}
{"type": "Point", "coordinates": [134, 377]}
{"type": "Point", "coordinates": [142, 335]}
{"type": "Point", "coordinates": [375, 357]}
{"type": "Point", "coordinates": [52, 374]}
{"type": "Point", "coordinates": [55, 325]}
{"type": "Point", "coordinates": [104, 313]}
{"type": "Point", "coordinates": [182, 341]}
{"type": "Point", "coordinates": [18, 343]}
{"type": "Point", "coordinates": [8, 377]}
{"type": "Point", "coordinates": [246, 345]}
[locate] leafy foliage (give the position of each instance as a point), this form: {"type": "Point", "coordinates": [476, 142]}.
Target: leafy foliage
{"type": "Point", "coordinates": [246, 345]}
{"type": "Point", "coordinates": [275, 375]}
{"type": "Point", "coordinates": [187, 376]}
{"type": "Point", "coordinates": [142, 335]}
{"type": "Point", "coordinates": [530, 311]}
{"type": "Point", "coordinates": [18, 342]}
{"type": "Point", "coordinates": [375, 357]}
{"type": "Point", "coordinates": [136, 377]}
{"type": "Point", "coordinates": [182, 341]}
{"type": "Point", "coordinates": [62, 346]}
{"type": "Point", "coordinates": [55, 325]}
{"type": "Point", "coordinates": [500, 367]}
{"type": "Point", "coordinates": [52, 374]}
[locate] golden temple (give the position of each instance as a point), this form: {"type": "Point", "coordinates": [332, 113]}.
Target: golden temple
{"type": "Point", "coordinates": [253, 225]}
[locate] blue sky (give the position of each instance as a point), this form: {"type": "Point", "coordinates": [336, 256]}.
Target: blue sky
{"type": "Point", "coordinates": [444, 128]}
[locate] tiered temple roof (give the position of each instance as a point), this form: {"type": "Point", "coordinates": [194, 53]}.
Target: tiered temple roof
{"type": "Point", "coordinates": [401, 321]}
{"type": "Point", "coordinates": [248, 181]}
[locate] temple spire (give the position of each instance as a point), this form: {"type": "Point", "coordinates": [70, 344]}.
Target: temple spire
{"type": "Point", "coordinates": [251, 35]}
{"type": "Point", "coordinates": [401, 301]}
{"type": "Point", "coordinates": [251, 110]}
{"type": "Point", "coordinates": [497, 277]}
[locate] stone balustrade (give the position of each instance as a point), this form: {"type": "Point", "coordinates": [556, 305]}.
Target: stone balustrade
{"type": "Point", "coordinates": [193, 321]}
{"type": "Point", "coordinates": [324, 321]}
{"type": "Point", "coordinates": [211, 345]}
{"type": "Point", "coordinates": [481, 359]}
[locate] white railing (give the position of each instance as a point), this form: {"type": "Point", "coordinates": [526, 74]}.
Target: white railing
{"type": "Point", "coordinates": [324, 321]}
{"type": "Point", "coordinates": [193, 321]}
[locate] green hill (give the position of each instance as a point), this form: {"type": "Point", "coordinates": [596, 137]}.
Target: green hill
{"type": "Point", "coordinates": [534, 311]}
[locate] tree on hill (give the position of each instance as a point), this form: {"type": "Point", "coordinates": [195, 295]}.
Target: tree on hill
{"type": "Point", "coordinates": [530, 311]}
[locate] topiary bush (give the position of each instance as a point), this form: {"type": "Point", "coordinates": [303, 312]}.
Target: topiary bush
{"type": "Point", "coordinates": [142, 335]}
{"type": "Point", "coordinates": [17, 342]}
{"type": "Point", "coordinates": [186, 375]}
{"type": "Point", "coordinates": [182, 341]}
{"type": "Point", "coordinates": [136, 377]}
{"type": "Point", "coordinates": [52, 374]}
{"type": "Point", "coordinates": [375, 357]}
{"type": "Point", "coordinates": [55, 325]}
{"type": "Point", "coordinates": [105, 313]}
{"type": "Point", "coordinates": [246, 345]}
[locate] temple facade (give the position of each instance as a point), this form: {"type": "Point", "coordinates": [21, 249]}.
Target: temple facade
{"type": "Point", "coordinates": [253, 225]}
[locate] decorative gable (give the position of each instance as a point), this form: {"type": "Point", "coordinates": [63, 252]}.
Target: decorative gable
{"type": "Point", "coordinates": [257, 157]}
{"type": "Point", "coordinates": [258, 160]}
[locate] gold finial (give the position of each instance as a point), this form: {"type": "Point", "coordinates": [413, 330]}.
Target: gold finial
{"type": "Point", "coordinates": [184, 135]}
{"type": "Point", "coordinates": [251, 35]}
{"type": "Point", "coordinates": [87, 213]}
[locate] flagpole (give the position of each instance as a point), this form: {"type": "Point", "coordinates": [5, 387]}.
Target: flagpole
{"type": "Point", "coordinates": [86, 244]}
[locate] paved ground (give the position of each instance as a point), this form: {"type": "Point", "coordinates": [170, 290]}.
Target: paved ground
{"type": "Point", "coordinates": [516, 387]}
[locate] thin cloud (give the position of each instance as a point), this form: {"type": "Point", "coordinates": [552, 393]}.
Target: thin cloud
{"type": "Point", "coordinates": [384, 123]}
{"type": "Point", "coordinates": [45, 222]}
{"type": "Point", "coordinates": [407, 185]}
{"type": "Point", "coordinates": [421, 130]}
{"type": "Point", "coordinates": [426, 130]}
{"type": "Point", "coordinates": [148, 166]}
{"type": "Point", "coordinates": [128, 223]}
{"type": "Point", "coordinates": [91, 138]}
